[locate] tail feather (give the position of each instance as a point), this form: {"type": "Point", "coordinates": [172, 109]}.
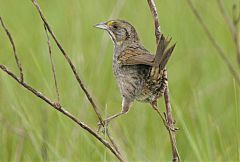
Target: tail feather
{"type": "Point", "coordinates": [162, 44]}
{"type": "Point", "coordinates": [162, 55]}
{"type": "Point", "coordinates": [166, 57]}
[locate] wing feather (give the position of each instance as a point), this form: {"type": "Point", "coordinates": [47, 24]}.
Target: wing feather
{"type": "Point", "coordinates": [136, 57]}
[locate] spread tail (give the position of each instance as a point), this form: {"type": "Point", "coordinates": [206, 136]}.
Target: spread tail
{"type": "Point", "coordinates": [163, 54]}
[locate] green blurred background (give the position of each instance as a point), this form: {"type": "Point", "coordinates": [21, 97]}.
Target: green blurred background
{"type": "Point", "coordinates": [204, 95]}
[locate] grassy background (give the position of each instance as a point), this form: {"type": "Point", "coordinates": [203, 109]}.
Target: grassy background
{"type": "Point", "coordinates": [204, 96]}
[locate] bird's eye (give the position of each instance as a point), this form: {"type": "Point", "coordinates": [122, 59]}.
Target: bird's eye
{"type": "Point", "coordinates": [115, 26]}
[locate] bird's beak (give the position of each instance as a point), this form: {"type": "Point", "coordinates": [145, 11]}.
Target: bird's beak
{"type": "Point", "coordinates": [102, 25]}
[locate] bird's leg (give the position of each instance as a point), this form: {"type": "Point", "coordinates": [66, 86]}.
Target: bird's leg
{"type": "Point", "coordinates": [164, 119]}
{"type": "Point", "coordinates": [125, 107]}
{"type": "Point", "coordinates": [154, 106]}
{"type": "Point", "coordinates": [126, 103]}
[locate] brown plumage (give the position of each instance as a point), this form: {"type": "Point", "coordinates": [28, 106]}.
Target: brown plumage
{"type": "Point", "coordinates": [140, 75]}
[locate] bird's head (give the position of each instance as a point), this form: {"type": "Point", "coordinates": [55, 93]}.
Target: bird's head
{"type": "Point", "coordinates": [120, 31]}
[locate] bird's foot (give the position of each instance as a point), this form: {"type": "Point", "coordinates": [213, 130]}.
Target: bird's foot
{"type": "Point", "coordinates": [170, 125]}
{"type": "Point", "coordinates": [102, 126]}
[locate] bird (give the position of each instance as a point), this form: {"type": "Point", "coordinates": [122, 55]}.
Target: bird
{"type": "Point", "coordinates": [140, 75]}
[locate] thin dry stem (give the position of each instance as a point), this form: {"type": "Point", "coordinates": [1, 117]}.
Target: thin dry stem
{"type": "Point", "coordinates": [52, 64]}
{"type": "Point", "coordinates": [61, 109]}
{"type": "Point", "coordinates": [14, 49]}
{"type": "Point", "coordinates": [215, 44]}
{"type": "Point", "coordinates": [58, 106]}
{"type": "Point", "coordinates": [163, 118]}
{"type": "Point", "coordinates": [169, 117]}
{"type": "Point", "coordinates": [154, 12]}
{"type": "Point", "coordinates": [73, 68]}
{"type": "Point", "coordinates": [171, 122]}
{"type": "Point", "coordinates": [114, 144]}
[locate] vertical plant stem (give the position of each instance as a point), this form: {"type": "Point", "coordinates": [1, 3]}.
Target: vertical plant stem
{"type": "Point", "coordinates": [154, 12]}
{"type": "Point", "coordinates": [170, 122]}
{"type": "Point", "coordinates": [169, 116]}
{"type": "Point", "coordinates": [52, 64]}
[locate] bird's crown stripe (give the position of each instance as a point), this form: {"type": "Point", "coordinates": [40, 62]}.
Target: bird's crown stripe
{"type": "Point", "coordinates": [110, 23]}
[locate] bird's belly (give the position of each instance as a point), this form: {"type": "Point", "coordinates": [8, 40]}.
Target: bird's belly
{"type": "Point", "coordinates": [140, 90]}
{"type": "Point", "coordinates": [133, 82]}
{"type": "Point", "coordinates": [130, 85]}
{"type": "Point", "coordinates": [150, 93]}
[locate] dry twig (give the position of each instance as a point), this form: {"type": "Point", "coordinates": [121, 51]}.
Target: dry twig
{"type": "Point", "coordinates": [169, 118]}
{"type": "Point", "coordinates": [66, 56]}
{"type": "Point", "coordinates": [14, 49]}
{"type": "Point", "coordinates": [171, 122]}
{"type": "Point", "coordinates": [57, 106]}
{"type": "Point", "coordinates": [153, 9]}
{"type": "Point", "coordinates": [61, 109]}
{"type": "Point", "coordinates": [73, 68]}
{"type": "Point", "coordinates": [221, 52]}
{"type": "Point", "coordinates": [52, 64]}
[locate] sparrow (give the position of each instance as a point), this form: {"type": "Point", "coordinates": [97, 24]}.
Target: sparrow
{"type": "Point", "coordinates": [140, 75]}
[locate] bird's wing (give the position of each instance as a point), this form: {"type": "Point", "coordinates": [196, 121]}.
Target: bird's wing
{"type": "Point", "coordinates": [136, 56]}
{"type": "Point", "coordinates": [139, 56]}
